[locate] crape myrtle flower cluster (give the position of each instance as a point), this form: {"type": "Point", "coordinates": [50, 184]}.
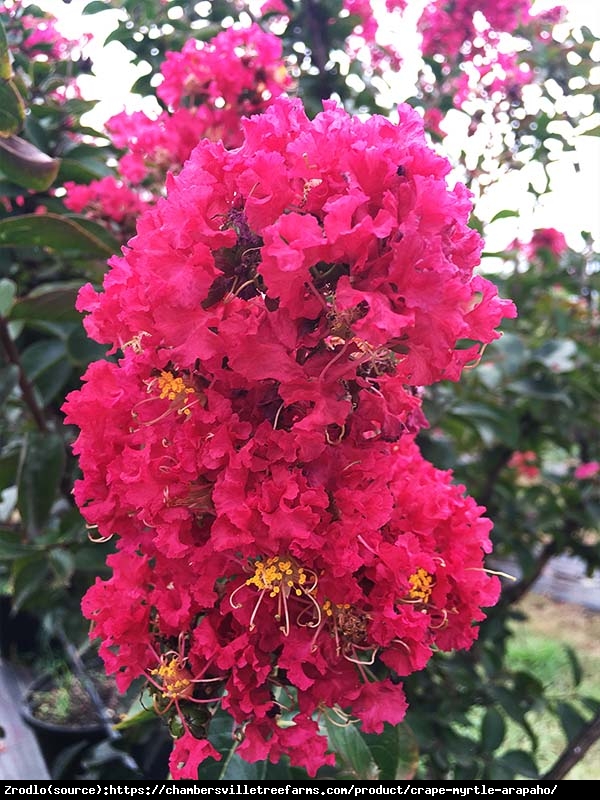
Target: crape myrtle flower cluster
{"type": "Point", "coordinates": [474, 44]}
{"type": "Point", "coordinates": [284, 552]}
{"type": "Point", "coordinates": [207, 88]}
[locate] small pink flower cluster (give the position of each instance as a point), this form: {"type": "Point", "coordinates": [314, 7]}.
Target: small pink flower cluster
{"type": "Point", "coordinates": [209, 88]}
{"type": "Point", "coordinates": [36, 36]}
{"type": "Point", "coordinates": [446, 26]}
{"type": "Point", "coordinates": [106, 200]}
{"type": "Point", "coordinates": [490, 73]}
{"type": "Point", "coordinates": [285, 553]}
{"type": "Point", "coordinates": [586, 470]}
{"type": "Point", "coordinates": [237, 74]}
{"type": "Point", "coordinates": [525, 464]}
{"type": "Point", "coordinates": [466, 35]}
{"type": "Point", "coordinates": [546, 240]}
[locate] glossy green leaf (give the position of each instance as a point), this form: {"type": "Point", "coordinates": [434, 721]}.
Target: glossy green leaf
{"type": "Point", "coordinates": [81, 349]}
{"type": "Point", "coordinates": [493, 730]}
{"type": "Point", "coordinates": [231, 766]}
{"type": "Point", "coordinates": [54, 233]}
{"type": "Point", "coordinates": [46, 365]}
{"type": "Point", "coordinates": [353, 756]}
{"type": "Point", "coordinates": [395, 751]}
{"type": "Point", "coordinates": [135, 718]}
{"type": "Point", "coordinates": [12, 545]}
{"type": "Point", "coordinates": [571, 720]}
{"type": "Point", "coordinates": [5, 65]}
{"type": "Point", "coordinates": [559, 355]}
{"type": "Point", "coordinates": [12, 110]}
{"type": "Point", "coordinates": [29, 577]}
{"type": "Point", "coordinates": [575, 664]}
{"type": "Point", "coordinates": [62, 563]}
{"type": "Point", "coordinates": [40, 475]}
{"type": "Point", "coordinates": [9, 378]}
{"type": "Point", "coordinates": [9, 464]}
{"type": "Point", "coordinates": [504, 214]}
{"type": "Point", "coordinates": [26, 165]}
{"type": "Point", "coordinates": [82, 170]}
{"type": "Point", "coordinates": [8, 291]}
{"type": "Point", "coordinates": [95, 7]}
{"type": "Point", "coordinates": [521, 763]}
{"type": "Point", "coordinates": [53, 302]}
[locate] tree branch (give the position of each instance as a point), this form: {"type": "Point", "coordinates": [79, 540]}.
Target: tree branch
{"type": "Point", "coordinates": [512, 594]}
{"type": "Point", "coordinates": [29, 397]}
{"type": "Point", "coordinates": [575, 751]}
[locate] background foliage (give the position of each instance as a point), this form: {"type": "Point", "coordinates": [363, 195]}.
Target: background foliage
{"type": "Point", "coordinates": [521, 431]}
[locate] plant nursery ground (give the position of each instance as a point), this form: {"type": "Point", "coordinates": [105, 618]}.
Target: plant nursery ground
{"type": "Point", "coordinates": [540, 646]}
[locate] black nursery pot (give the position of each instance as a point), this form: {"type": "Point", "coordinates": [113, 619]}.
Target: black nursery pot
{"type": "Point", "coordinates": [56, 738]}
{"type": "Point", "coordinates": [18, 631]}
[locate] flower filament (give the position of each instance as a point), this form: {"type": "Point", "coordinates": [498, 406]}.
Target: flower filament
{"type": "Point", "coordinates": [281, 577]}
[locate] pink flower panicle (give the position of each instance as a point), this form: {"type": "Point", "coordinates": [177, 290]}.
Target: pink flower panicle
{"type": "Point", "coordinates": [446, 26]}
{"type": "Point", "coordinates": [105, 199]}
{"type": "Point", "coordinates": [586, 470]}
{"type": "Point", "coordinates": [282, 543]}
{"type": "Point", "coordinates": [209, 88]}
{"type": "Point", "coordinates": [237, 74]}
{"type": "Point", "coordinates": [546, 240]}
{"type": "Point", "coordinates": [525, 464]}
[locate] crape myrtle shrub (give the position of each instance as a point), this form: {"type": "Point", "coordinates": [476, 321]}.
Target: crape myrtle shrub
{"type": "Point", "coordinates": [285, 555]}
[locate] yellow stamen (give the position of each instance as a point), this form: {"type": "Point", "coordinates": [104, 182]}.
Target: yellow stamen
{"type": "Point", "coordinates": [280, 577]}
{"type": "Point", "coordinates": [275, 573]}
{"type": "Point", "coordinates": [174, 678]}
{"type": "Point", "coordinates": [421, 585]}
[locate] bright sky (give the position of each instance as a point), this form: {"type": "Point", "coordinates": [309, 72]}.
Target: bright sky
{"type": "Point", "coordinates": [571, 202]}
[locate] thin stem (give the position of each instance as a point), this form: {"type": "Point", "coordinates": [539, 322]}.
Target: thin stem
{"type": "Point", "coordinates": [26, 388]}
{"type": "Point", "coordinates": [575, 750]}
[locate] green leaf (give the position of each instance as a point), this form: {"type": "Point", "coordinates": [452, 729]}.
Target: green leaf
{"type": "Point", "coordinates": [50, 302]}
{"type": "Point", "coordinates": [352, 753]}
{"type": "Point", "coordinates": [592, 132]}
{"type": "Point", "coordinates": [25, 165]}
{"type": "Point", "coordinates": [81, 349]}
{"type": "Point", "coordinates": [559, 355]}
{"type": "Point", "coordinates": [571, 720]}
{"type": "Point", "coordinates": [9, 378]}
{"type": "Point", "coordinates": [395, 751]}
{"type": "Point", "coordinates": [62, 564]}
{"type": "Point", "coordinates": [12, 110]}
{"type": "Point", "coordinates": [139, 713]}
{"type": "Point", "coordinates": [82, 170]}
{"type": "Point", "coordinates": [11, 545]}
{"type": "Point", "coordinates": [8, 291]}
{"type": "Point", "coordinates": [95, 7]}
{"type": "Point", "coordinates": [574, 663]}
{"type": "Point", "coordinates": [231, 766]}
{"type": "Point", "coordinates": [40, 474]}
{"type": "Point", "coordinates": [52, 232]}
{"type": "Point", "coordinates": [521, 763]}
{"type": "Point", "coordinates": [491, 423]}
{"type": "Point", "coordinates": [46, 365]}
{"type": "Point", "coordinates": [29, 576]}
{"type": "Point", "coordinates": [9, 464]}
{"type": "Point", "coordinates": [493, 730]}
{"type": "Point", "coordinates": [503, 214]}
{"type": "Point", "coordinates": [5, 65]}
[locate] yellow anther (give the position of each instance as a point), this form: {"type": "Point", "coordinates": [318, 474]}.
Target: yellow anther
{"type": "Point", "coordinates": [280, 577]}
{"type": "Point", "coordinates": [173, 388]}
{"type": "Point", "coordinates": [421, 585]}
{"type": "Point", "coordinates": [174, 678]}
